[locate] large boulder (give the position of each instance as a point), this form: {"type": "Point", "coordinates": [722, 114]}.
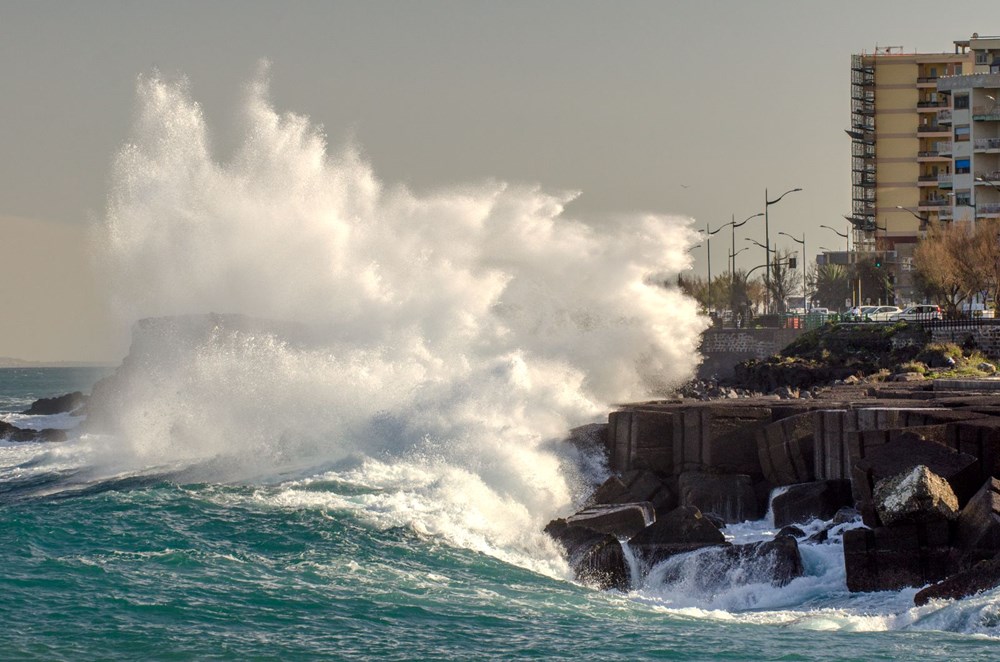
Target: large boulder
{"type": "Point", "coordinates": [979, 522]}
{"type": "Point", "coordinates": [901, 455]}
{"type": "Point", "coordinates": [683, 529]}
{"type": "Point", "coordinates": [819, 499]}
{"type": "Point", "coordinates": [731, 497]}
{"type": "Point", "coordinates": [620, 520]}
{"type": "Point", "coordinates": [57, 405]}
{"type": "Point", "coordinates": [980, 577]}
{"type": "Point", "coordinates": [917, 495]}
{"type": "Point", "coordinates": [635, 486]}
{"type": "Point", "coordinates": [596, 558]}
{"type": "Point", "coordinates": [891, 558]}
{"type": "Point", "coordinates": [774, 562]}
{"type": "Point", "coordinates": [785, 449]}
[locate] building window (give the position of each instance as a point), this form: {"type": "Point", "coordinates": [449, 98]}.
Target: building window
{"type": "Point", "coordinates": [962, 166]}
{"type": "Point", "coordinates": [962, 133]}
{"type": "Point", "coordinates": [958, 69]}
{"type": "Point", "coordinates": [963, 199]}
{"type": "Point", "coordinates": [981, 57]}
{"type": "Point", "coordinates": [961, 101]}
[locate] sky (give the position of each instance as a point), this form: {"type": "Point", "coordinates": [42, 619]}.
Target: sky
{"type": "Point", "coordinates": [692, 108]}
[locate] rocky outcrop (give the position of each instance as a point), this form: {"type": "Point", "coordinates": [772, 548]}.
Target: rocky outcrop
{"type": "Point", "coordinates": [684, 529]}
{"type": "Point", "coordinates": [884, 559]}
{"type": "Point", "coordinates": [596, 558]}
{"type": "Point", "coordinates": [801, 503]}
{"type": "Point", "coordinates": [621, 520]}
{"type": "Point", "coordinates": [979, 522]}
{"type": "Point", "coordinates": [918, 495]}
{"type": "Point", "coordinates": [636, 486]}
{"type": "Point", "coordinates": [774, 562]}
{"type": "Point", "coordinates": [983, 576]}
{"type": "Point", "coordinates": [730, 497]}
{"type": "Point", "coordinates": [10, 432]}
{"type": "Point", "coordinates": [57, 405]}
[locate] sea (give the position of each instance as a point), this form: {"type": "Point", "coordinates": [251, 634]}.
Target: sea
{"type": "Point", "coordinates": [149, 565]}
{"type": "Point", "coordinates": [341, 427]}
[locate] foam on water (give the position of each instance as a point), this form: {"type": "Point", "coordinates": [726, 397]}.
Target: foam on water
{"type": "Point", "coordinates": [455, 335]}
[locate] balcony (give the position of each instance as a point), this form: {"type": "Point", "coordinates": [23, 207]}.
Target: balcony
{"type": "Point", "coordinates": [988, 209]}
{"type": "Point", "coordinates": [986, 113]}
{"type": "Point", "coordinates": [944, 180]}
{"type": "Point", "coordinates": [932, 204]}
{"type": "Point", "coordinates": [987, 145]}
{"type": "Point", "coordinates": [944, 116]}
{"type": "Point", "coordinates": [931, 104]}
{"type": "Point", "coordinates": [933, 128]}
{"type": "Point", "coordinates": [927, 81]}
{"type": "Point", "coordinates": [945, 214]}
{"type": "Point", "coordinates": [990, 176]}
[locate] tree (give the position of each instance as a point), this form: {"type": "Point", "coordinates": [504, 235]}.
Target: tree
{"type": "Point", "coordinates": [832, 286]}
{"type": "Point", "coordinates": [946, 266]}
{"type": "Point", "coordinates": [781, 281]}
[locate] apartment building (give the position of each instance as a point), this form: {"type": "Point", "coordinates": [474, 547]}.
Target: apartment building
{"type": "Point", "coordinates": [973, 117]}
{"type": "Point", "coordinates": [902, 163]}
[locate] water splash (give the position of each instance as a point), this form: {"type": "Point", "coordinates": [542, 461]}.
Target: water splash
{"type": "Point", "coordinates": [460, 332]}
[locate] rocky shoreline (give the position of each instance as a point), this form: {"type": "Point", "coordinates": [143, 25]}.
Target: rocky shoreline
{"type": "Point", "coordinates": [908, 477]}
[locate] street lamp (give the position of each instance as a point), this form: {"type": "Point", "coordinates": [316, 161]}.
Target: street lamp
{"type": "Point", "coordinates": [924, 219]}
{"type": "Point", "coordinates": [708, 250]}
{"type": "Point", "coordinates": [754, 241]}
{"type": "Point", "coordinates": [735, 225]}
{"type": "Point", "coordinates": [802, 242]}
{"type": "Point", "coordinates": [845, 235]}
{"type": "Point", "coordinates": [767, 236]}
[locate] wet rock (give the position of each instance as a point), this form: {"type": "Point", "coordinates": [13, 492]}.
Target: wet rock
{"type": "Point", "coordinates": [901, 455]}
{"type": "Point", "coordinates": [774, 562]}
{"type": "Point", "coordinates": [57, 405]}
{"type": "Point", "coordinates": [979, 522]}
{"type": "Point", "coordinates": [792, 531]}
{"type": "Point", "coordinates": [983, 576]}
{"type": "Point", "coordinates": [10, 432]}
{"type": "Point", "coordinates": [819, 499]}
{"type": "Point", "coordinates": [917, 495]}
{"type": "Point", "coordinates": [785, 450]}
{"type": "Point", "coordinates": [596, 558]}
{"type": "Point", "coordinates": [635, 486]}
{"type": "Point", "coordinates": [620, 520]}
{"type": "Point", "coordinates": [728, 496]}
{"type": "Point", "coordinates": [986, 367]}
{"type": "Point", "coordinates": [683, 529]}
{"type": "Point", "coordinates": [845, 515]}
{"type": "Point", "coordinates": [891, 558]}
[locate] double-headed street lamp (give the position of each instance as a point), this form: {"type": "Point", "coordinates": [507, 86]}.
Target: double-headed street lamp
{"type": "Point", "coordinates": [802, 242]}
{"type": "Point", "coordinates": [841, 234]}
{"type": "Point", "coordinates": [923, 218]}
{"type": "Point", "coordinates": [735, 225]}
{"type": "Point", "coordinates": [767, 236]}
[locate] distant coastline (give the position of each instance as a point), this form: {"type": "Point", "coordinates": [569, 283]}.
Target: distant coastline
{"type": "Point", "coordinates": [8, 362]}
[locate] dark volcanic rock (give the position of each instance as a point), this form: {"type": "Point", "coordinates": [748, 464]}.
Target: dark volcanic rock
{"type": "Point", "coordinates": [918, 495]}
{"type": "Point", "coordinates": [903, 454]}
{"type": "Point", "coordinates": [635, 486]}
{"type": "Point", "coordinates": [728, 496]}
{"type": "Point", "coordinates": [819, 499]}
{"type": "Point", "coordinates": [596, 558]}
{"type": "Point", "coordinates": [775, 562]}
{"type": "Point", "coordinates": [979, 522]}
{"type": "Point", "coordinates": [981, 577]}
{"type": "Point", "coordinates": [682, 530]}
{"type": "Point", "coordinates": [58, 405]}
{"type": "Point", "coordinates": [891, 558]}
{"type": "Point", "coordinates": [620, 520]}
{"type": "Point", "coordinates": [9, 432]}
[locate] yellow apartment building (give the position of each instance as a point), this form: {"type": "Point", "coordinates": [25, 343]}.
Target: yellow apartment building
{"type": "Point", "coordinates": [901, 142]}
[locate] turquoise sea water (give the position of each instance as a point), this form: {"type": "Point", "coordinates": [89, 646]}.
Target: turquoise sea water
{"type": "Point", "coordinates": [150, 565]}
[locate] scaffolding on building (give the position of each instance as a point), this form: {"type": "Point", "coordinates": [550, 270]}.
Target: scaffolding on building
{"type": "Point", "coordinates": [862, 133]}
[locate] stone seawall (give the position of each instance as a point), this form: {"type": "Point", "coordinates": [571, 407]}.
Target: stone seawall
{"type": "Point", "coordinates": [722, 349]}
{"type": "Point", "coordinates": [986, 336]}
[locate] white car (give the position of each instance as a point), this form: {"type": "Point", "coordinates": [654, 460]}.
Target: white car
{"type": "Point", "coordinates": [884, 313]}
{"type": "Point", "coordinates": [920, 312]}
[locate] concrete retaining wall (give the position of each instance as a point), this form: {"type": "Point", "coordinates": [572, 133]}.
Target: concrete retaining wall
{"type": "Point", "coordinates": [724, 348]}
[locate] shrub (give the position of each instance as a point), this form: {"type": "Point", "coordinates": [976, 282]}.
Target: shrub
{"type": "Point", "coordinates": [913, 366]}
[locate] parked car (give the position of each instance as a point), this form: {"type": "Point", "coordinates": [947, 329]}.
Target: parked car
{"type": "Point", "coordinates": [919, 312]}
{"type": "Point", "coordinates": [859, 313]}
{"type": "Point", "coordinates": [884, 313]}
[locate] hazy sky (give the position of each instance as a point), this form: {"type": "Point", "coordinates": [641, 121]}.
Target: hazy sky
{"type": "Point", "coordinates": [689, 108]}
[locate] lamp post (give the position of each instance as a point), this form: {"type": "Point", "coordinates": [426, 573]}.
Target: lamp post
{"type": "Point", "coordinates": [767, 239]}
{"type": "Point", "coordinates": [708, 250]}
{"type": "Point", "coordinates": [735, 225]}
{"type": "Point", "coordinates": [802, 242]}
{"type": "Point", "coordinates": [845, 235]}
{"type": "Point", "coordinates": [923, 218]}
